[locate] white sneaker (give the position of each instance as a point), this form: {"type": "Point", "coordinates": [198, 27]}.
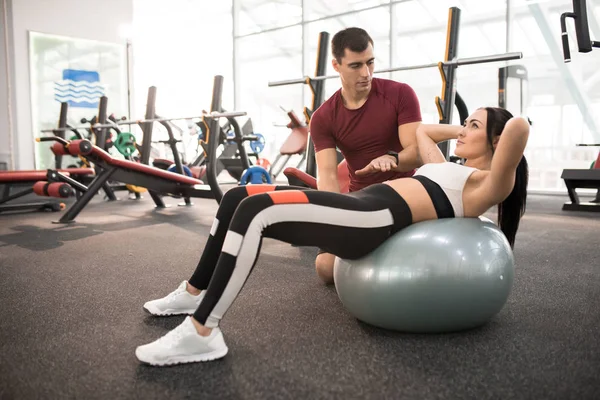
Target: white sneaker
{"type": "Point", "coordinates": [175, 303]}
{"type": "Point", "coordinates": [183, 345]}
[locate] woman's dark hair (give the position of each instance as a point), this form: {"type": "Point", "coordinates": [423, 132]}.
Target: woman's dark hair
{"type": "Point", "coordinates": [513, 207]}
{"type": "Point", "coordinates": [353, 39]}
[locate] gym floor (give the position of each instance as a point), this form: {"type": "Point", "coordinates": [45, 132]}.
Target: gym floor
{"type": "Point", "coordinates": [71, 317]}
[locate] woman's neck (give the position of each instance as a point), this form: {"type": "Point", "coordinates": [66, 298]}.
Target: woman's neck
{"type": "Point", "coordinates": [481, 163]}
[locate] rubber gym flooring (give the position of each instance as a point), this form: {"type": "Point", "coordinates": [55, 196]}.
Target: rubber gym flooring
{"type": "Point", "coordinates": [71, 316]}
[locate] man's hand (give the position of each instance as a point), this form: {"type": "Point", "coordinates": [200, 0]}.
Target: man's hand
{"type": "Point", "coordinates": [384, 163]}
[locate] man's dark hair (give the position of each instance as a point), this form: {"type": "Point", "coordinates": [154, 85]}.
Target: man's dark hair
{"type": "Point", "coordinates": [353, 39]}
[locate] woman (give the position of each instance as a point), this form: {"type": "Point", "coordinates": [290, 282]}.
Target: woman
{"type": "Point", "coordinates": [347, 225]}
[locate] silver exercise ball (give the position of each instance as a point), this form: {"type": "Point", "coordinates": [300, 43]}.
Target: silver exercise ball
{"type": "Point", "coordinates": [435, 276]}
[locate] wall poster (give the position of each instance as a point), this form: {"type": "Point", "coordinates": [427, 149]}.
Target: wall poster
{"type": "Point", "coordinates": [78, 72]}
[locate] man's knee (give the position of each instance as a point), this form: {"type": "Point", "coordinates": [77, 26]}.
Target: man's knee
{"type": "Point", "coordinates": [324, 266]}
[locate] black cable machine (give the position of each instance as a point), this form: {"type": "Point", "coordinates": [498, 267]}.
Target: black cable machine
{"type": "Point", "coordinates": [580, 178]}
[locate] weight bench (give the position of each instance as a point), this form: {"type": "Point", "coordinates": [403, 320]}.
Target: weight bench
{"type": "Point", "coordinates": [157, 181]}
{"type": "Point", "coordinates": [294, 144]}
{"type": "Point", "coordinates": [585, 179]}
{"type": "Point", "coordinates": [297, 177]}
{"type": "Point", "coordinates": [39, 182]}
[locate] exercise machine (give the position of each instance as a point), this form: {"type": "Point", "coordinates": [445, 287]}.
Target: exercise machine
{"type": "Point", "coordinates": [234, 158]}
{"type": "Point", "coordinates": [582, 31]}
{"type": "Point", "coordinates": [103, 139]}
{"type": "Point", "coordinates": [580, 178]}
{"type": "Point", "coordinates": [16, 185]}
{"type": "Point", "coordinates": [39, 182]}
{"type": "Point", "coordinates": [158, 182]}
{"type": "Point", "coordinates": [294, 144]}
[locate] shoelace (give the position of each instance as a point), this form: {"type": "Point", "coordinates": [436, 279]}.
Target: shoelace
{"type": "Point", "coordinates": [172, 337]}
{"type": "Point", "coordinates": [172, 295]}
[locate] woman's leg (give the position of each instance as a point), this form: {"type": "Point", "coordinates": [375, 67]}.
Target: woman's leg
{"type": "Point", "coordinates": [349, 226]}
{"type": "Point", "coordinates": [187, 296]}
{"type": "Point", "coordinates": [229, 203]}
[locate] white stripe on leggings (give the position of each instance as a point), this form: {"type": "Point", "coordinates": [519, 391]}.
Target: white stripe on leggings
{"type": "Point", "coordinates": [246, 248]}
{"type": "Point", "coordinates": [232, 243]}
{"type": "Point", "coordinates": [214, 227]}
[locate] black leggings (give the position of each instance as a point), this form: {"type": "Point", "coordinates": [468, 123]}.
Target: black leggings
{"type": "Point", "coordinates": [347, 225]}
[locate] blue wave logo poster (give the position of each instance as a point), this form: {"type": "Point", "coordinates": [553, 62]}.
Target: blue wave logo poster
{"type": "Point", "coordinates": [79, 88]}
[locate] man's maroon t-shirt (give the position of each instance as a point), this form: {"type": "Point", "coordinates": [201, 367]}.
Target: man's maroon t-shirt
{"type": "Point", "coordinates": [369, 131]}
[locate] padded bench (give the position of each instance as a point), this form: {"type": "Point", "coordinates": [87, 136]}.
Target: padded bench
{"type": "Point", "coordinates": [39, 182]}
{"type": "Point", "coordinates": [584, 179]}
{"type": "Point", "coordinates": [157, 181]}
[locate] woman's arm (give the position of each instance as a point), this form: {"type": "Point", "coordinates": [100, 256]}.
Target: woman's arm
{"type": "Point", "coordinates": [507, 156]}
{"type": "Point", "coordinates": [428, 135]}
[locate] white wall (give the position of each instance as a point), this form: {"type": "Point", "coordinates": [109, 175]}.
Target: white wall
{"type": "Point", "coordinates": [5, 56]}
{"type": "Point", "coordinates": [90, 19]}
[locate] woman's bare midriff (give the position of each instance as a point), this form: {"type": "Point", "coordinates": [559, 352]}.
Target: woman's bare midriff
{"type": "Point", "coordinates": [421, 206]}
{"type": "Point", "coordinates": [417, 198]}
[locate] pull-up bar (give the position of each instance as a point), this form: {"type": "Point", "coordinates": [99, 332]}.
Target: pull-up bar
{"type": "Point", "coordinates": [457, 62]}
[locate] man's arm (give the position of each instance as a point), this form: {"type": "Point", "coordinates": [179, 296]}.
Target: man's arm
{"type": "Point", "coordinates": [409, 118]}
{"type": "Point", "coordinates": [325, 151]}
{"type": "Point", "coordinates": [408, 158]}
{"type": "Point", "coordinates": [327, 177]}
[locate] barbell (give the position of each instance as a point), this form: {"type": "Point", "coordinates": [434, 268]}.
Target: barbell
{"type": "Point", "coordinates": [456, 62]}
{"type": "Point", "coordinates": [214, 114]}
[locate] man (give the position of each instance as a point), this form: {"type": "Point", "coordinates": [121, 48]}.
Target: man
{"type": "Point", "coordinates": [372, 121]}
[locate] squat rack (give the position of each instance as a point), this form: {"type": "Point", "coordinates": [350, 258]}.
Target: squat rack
{"type": "Point", "coordinates": [447, 68]}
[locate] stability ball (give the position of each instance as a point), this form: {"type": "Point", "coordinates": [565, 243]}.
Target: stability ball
{"type": "Point", "coordinates": [434, 276]}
